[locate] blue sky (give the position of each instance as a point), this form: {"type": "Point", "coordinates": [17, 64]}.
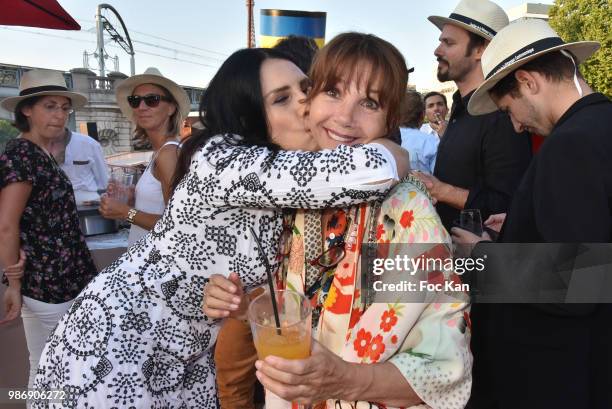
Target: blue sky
{"type": "Point", "coordinates": [215, 29]}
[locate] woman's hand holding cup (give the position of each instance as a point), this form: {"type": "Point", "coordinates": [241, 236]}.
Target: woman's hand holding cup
{"type": "Point", "coordinates": [113, 209]}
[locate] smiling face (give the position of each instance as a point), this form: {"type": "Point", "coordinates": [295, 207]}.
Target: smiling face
{"type": "Point", "coordinates": [48, 116]}
{"type": "Point", "coordinates": [358, 84]}
{"type": "Point", "coordinates": [284, 88]}
{"type": "Point", "coordinates": [350, 112]}
{"type": "Point", "coordinates": [152, 118]}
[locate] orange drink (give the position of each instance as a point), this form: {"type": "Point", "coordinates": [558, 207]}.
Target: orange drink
{"type": "Point", "coordinates": [292, 344]}
{"type": "Point", "coordinates": [294, 339]}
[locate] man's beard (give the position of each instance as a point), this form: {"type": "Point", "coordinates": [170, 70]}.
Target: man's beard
{"type": "Point", "coordinates": [443, 76]}
{"type": "Point", "coordinates": [457, 72]}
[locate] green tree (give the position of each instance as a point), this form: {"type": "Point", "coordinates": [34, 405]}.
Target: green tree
{"type": "Point", "coordinates": [579, 20]}
{"type": "Point", "coordinates": [7, 131]}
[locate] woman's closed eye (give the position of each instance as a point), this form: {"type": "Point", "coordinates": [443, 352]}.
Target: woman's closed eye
{"type": "Point", "coordinates": [280, 99]}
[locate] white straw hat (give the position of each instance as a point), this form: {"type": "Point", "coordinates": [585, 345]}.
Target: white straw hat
{"type": "Point", "coordinates": [482, 17]}
{"type": "Point", "coordinates": [514, 46]}
{"type": "Point", "coordinates": [151, 76]}
{"type": "Point", "coordinates": [38, 83]}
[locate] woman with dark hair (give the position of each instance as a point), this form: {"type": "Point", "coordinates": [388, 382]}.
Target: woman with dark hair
{"type": "Point", "coordinates": [38, 213]}
{"type": "Point", "coordinates": [157, 105]}
{"type": "Point", "coordinates": [136, 336]}
{"type": "Point", "coordinates": [370, 352]}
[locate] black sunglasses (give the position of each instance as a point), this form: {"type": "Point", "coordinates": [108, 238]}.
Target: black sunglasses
{"type": "Point", "coordinates": [151, 100]}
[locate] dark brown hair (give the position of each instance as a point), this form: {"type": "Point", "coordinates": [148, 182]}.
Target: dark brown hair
{"type": "Point", "coordinates": [474, 42]}
{"type": "Point", "coordinates": [413, 110]}
{"type": "Point", "coordinates": [232, 104]}
{"type": "Point", "coordinates": [21, 121]}
{"type": "Point", "coordinates": [301, 50]}
{"type": "Point", "coordinates": [350, 56]}
{"type": "Point", "coordinates": [433, 94]}
{"type": "Point", "coordinates": [554, 66]}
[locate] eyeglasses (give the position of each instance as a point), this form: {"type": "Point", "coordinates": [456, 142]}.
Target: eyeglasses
{"type": "Point", "coordinates": [55, 108]}
{"type": "Point", "coordinates": [329, 259]}
{"type": "Point", "coordinates": [150, 100]}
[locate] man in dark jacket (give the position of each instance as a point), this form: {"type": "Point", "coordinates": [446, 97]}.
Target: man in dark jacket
{"type": "Point", "coordinates": [544, 355]}
{"type": "Point", "coordinates": [480, 159]}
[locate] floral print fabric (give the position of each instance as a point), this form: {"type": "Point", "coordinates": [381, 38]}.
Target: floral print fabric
{"type": "Point", "coordinates": [58, 263]}
{"type": "Point", "coordinates": [427, 342]}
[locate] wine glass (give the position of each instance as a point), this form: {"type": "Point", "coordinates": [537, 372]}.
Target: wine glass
{"type": "Point", "coordinates": [471, 220]}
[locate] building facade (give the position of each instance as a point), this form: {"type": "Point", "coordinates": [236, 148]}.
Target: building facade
{"type": "Point", "coordinates": [101, 117]}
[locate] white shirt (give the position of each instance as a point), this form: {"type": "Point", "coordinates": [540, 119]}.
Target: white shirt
{"type": "Point", "coordinates": [423, 149]}
{"type": "Point", "coordinates": [149, 196]}
{"type": "Point", "coordinates": [429, 130]}
{"type": "Point", "coordinates": [84, 164]}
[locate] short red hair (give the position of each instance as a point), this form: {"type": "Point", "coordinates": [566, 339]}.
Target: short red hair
{"type": "Point", "coordinates": [352, 56]}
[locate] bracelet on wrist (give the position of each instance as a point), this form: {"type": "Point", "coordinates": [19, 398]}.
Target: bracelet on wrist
{"type": "Point", "coordinates": [131, 215]}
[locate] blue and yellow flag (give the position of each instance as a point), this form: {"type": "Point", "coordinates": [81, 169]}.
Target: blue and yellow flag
{"type": "Point", "coordinates": [278, 24]}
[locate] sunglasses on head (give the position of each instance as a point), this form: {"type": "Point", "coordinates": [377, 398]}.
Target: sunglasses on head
{"type": "Point", "coordinates": [151, 100]}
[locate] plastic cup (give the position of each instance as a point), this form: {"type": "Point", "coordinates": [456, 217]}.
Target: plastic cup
{"type": "Point", "coordinates": [295, 315]}
{"type": "Point", "coordinates": [122, 181]}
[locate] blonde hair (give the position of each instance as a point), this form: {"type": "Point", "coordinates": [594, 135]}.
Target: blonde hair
{"type": "Point", "coordinates": [174, 124]}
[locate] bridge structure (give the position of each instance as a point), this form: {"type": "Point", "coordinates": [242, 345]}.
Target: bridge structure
{"type": "Point", "coordinates": [101, 118]}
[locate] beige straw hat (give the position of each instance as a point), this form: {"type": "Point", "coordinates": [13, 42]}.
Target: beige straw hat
{"type": "Point", "coordinates": [151, 76]}
{"type": "Point", "coordinates": [482, 17]}
{"type": "Point", "coordinates": [38, 83]}
{"type": "Point", "coordinates": [514, 46]}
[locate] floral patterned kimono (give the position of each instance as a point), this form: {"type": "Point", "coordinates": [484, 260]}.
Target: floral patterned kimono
{"type": "Point", "coordinates": [427, 342]}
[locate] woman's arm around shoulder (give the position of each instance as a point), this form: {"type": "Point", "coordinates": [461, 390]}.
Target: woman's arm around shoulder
{"type": "Point", "coordinates": [236, 175]}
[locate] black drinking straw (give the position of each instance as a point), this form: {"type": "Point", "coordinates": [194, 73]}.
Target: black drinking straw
{"type": "Point", "coordinates": [264, 257]}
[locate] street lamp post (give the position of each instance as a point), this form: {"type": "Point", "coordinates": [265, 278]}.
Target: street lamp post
{"type": "Point", "coordinates": [251, 24]}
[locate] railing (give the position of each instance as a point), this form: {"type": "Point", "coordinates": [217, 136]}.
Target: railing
{"type": "Point", "coordinates": [9, 77]}
{"type": "Point", "coordinates": [101, 84]}
{"type": "Point", "coordinates": [194, 95]}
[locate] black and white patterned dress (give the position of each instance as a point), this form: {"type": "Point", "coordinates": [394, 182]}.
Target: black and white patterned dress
{"type": "Point", "coordinates": [136, 336]}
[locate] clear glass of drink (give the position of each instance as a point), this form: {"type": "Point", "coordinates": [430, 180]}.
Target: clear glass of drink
{"type": "Point", "coordinates": [293, 339]}
{"type": "Point", "coordinates": [121, 184]}
{"type": "Point", "coordinates": [471, 220]}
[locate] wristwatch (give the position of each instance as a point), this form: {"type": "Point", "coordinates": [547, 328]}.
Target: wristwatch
{"type": "Point", "coordinates": [130, 216]}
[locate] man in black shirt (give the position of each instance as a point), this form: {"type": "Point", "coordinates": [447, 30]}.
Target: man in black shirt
{"type": "Point", "coordinates": [480, 159]}
{"type": "Point", "coordinates": [544, 355]}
